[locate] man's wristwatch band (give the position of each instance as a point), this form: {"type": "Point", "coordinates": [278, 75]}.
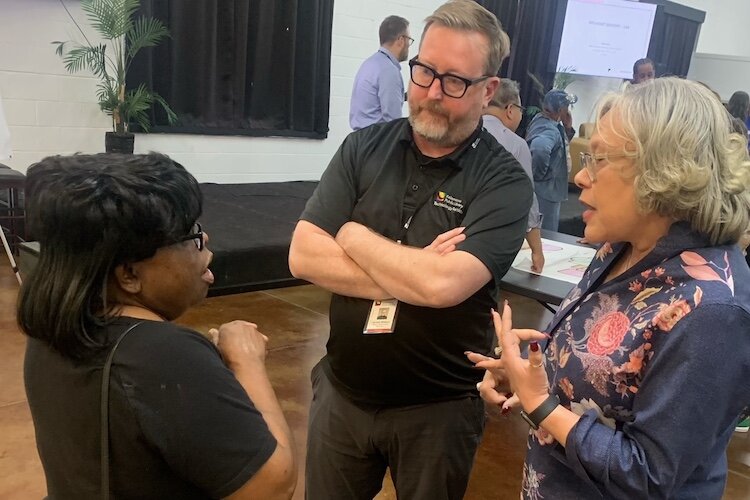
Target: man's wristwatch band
{"type": "Point", "coordinates": [541, 412]}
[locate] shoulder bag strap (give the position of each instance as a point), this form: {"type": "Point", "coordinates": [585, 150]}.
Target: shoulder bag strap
{"type": "Point", "coordinates": [104, 415]}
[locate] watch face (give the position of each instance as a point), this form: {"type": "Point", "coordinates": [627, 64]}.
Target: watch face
{"type": "Point", "coordinates": [528, 420]}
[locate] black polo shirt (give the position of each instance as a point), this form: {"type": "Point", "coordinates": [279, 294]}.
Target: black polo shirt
{"type": "Point", "coordinates": [379, 178]}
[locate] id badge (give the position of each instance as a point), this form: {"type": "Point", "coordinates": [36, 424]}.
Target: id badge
{"type": "Point", "coordinates": [382, 317]}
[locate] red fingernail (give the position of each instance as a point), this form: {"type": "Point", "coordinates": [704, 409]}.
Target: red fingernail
{"type": "Point", "coordinates": [534, 346]}
{"type": "Point", "coordinates": [508, 395]}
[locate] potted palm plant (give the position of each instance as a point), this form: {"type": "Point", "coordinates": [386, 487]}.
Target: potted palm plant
{"type": "Point", "coordinates": [123, 37]}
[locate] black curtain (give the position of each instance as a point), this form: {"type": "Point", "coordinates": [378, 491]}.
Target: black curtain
{"type": "Point", "coordinates": [241, 67]}
{"type": "Point", "coordinates": [537, 43]}
{"type": "Point", "coordinates": [535, 30]}
{"type": "Point", "coordinates": [672, 42]}
{"type": "Point", "coordinates": [506, 12]}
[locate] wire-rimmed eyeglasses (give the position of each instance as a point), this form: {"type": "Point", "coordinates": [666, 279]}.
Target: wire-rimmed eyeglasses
{"type": "Point", "coordinates": [589, 161]}
{"type": "Point", "coordinates": [452, 85]}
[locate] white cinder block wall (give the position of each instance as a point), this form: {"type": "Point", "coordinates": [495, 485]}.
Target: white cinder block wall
{"type": "Point", "coordinates": [51, 112]}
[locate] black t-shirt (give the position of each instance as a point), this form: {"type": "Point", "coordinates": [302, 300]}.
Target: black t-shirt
{"type": "Point", "coordinates": [181, 425]}
{"type": "Point", "coordinates": [380, 179]}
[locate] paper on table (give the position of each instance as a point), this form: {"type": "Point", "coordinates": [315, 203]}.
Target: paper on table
{"type": "Point", "coordinates": [562, 261]}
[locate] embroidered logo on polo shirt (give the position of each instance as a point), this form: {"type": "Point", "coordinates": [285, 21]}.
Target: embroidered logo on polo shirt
{"type": "Point", "coordinates": [444, 200]}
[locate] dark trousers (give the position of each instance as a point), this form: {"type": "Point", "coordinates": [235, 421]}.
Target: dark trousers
{"type": "Point", "coordinates": [429, 447]}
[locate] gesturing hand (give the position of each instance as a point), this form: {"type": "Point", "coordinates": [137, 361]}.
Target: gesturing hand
{"type": "Point", "coordinates": [528, 378]}
{"type": "Point", "coordinates": [240, 344]}
{"type": "Point", "coordinates": [494, 387]}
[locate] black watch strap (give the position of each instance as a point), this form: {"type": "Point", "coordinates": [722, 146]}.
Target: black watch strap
{"type": "Point", "coordinates": [541, 412]}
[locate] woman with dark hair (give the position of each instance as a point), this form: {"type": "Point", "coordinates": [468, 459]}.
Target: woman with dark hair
{"type": "Point", "coordinates": [739, 106]}
{"type": "Point", "coordinates": [645, 371]}
{"type": "Point", "coordinates": [122, 255]}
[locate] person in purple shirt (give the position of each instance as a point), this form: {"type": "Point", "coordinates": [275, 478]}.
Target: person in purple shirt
{"type": "Point", "coordinates": [645, 373]}
{"type": "Point", "coordinates": [378, 92]}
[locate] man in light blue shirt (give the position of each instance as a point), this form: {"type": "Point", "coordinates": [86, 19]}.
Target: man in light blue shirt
{"type": "Point", "coordinates": [501, 119]}
{"type": "Point", "coordinates": [378, 92]}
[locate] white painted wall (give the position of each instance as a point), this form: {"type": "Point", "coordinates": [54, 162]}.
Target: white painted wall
{"type": "Point", "coordinates": [724, 31]}
{"type": "Point", "coordinates": [724, 74]}
{"type": "Point", "coordinates": [51, 112]}
{"type": "Point", "coordinates": [722, 59]}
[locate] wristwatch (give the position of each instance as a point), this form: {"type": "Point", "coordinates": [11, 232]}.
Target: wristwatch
{"type": "Point", "coordinates": [541, 412]}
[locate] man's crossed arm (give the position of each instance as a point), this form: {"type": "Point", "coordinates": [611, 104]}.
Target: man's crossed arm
{"type": "Point", "coordinates": [358, 262]}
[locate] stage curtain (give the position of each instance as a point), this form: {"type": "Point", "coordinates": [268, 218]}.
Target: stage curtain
{"type": "Point", "coordinates": [535, 43]}
{"type": "Point", "coordinates": [241, 67]}
{"type": "Point", "coordinates": [672, 42]}
{"type": "Point", "coordinates": [506, 12]}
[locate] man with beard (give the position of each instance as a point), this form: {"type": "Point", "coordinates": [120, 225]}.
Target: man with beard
{"type": "Point", "coordinates": [421, 217]}
{"type": "Point", "coordinates": [378, 92]}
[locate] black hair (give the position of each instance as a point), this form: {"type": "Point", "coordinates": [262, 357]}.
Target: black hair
{"type": "Point", "coordinates": [391, 28]}
{"type": "Point", "coordinates": [739, 105]}
{"type": "Point", "coordinates": [641, 62]}
{"type": "Point", "coordinates": [91, 213]}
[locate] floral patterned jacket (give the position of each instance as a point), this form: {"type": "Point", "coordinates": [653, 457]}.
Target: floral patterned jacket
{"type": "Point", "coordinates": [657, 362]}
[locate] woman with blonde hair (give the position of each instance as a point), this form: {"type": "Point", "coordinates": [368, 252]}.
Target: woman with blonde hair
{"type": "Point", "coordinates": [639, 388]}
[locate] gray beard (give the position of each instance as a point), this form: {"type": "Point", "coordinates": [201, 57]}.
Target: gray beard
{"type": "Point", "coordinates": [451, 136]}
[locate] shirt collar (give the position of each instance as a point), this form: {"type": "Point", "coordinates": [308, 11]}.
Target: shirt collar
{"type": "Point", "coordinates": [497, 121]}
{"type": "Point", "coordinates": [679, 238]}
{"type": "Point", "coordinates": [451, 158]}
{"type": "Point", "coordinates": [388, 54]}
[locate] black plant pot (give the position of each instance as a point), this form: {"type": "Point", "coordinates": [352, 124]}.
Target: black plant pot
{"type": "Point", "coordinates": [119, 143]}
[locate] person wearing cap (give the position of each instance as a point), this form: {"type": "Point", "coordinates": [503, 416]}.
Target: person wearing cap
{"type": "Point", "coordinates": [550, 158]}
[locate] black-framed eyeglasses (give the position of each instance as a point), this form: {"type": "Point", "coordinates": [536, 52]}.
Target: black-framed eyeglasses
{"type": "Point", "coordinates": [196, 235]}
{"type": "Point", "coordinates": [452, 85]}
{"type": "Point", "coordinates": [410, 39]}
{"type": "Point", "coordinates": [522, 109]}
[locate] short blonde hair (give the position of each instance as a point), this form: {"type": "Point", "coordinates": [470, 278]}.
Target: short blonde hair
{"type": "Point", "coordinates": [689, 165]}
{"type": "Point", "coordinates": [468, 15]}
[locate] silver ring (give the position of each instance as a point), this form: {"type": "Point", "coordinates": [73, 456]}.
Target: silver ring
{"type": "Point", "coordinates": [541, 363]}
{"type": "Point", "coordinates": [499, 351]}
